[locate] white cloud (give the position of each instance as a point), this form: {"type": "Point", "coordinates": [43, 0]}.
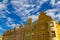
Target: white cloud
{"type": "Point", "coordinates": [44, 0]}
{"type": "Point", "coordinates": [24, 19]}
{"type": "Point", "coordinates": [34, 17]}
{"type": "Point", "coordinates": [2, 14]}
{"type": "Point", "coordinates": [5, 1]}
{"type": "Point", "coordinates": [52, 2]}
{"type": "Point", "coordinates": [18, 2]}
{"type": "Point", "coordinates": [26, 11]}
{"type": "Point", "coordinates": [57, 18]}
{"type": "Point", "coordinates": [15, 25]}
{"type": "Point", "coordinates": [57, 5]}
{"type": "Point", "coordinates": [10, 23]}
{"type": "Point", "coordinates": [1, 28]}
{"type": "Point", "coordinates": [18, 25]}
{"type": "Point", "coordinates": [51, 12]}
{"type": "Point", "coordinates": [26, 5]}
{"type": "Point", "coordinates": [58, 2]}
{"type": "Point", "coordinates": [8, 11]}
{"type": "Point", "coordinates": [2, 7]}
{"type": "Point", "coordinates": [9, 19]}
{"type": "Point", "coordinates": [7, 24]}
{"type": "Point", "coordinates": [22, 5]}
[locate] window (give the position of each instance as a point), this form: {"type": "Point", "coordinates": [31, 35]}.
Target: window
{"type": "Point", "coordinates": [51, 24]}
{"type": "Point", "coordinates": [32, 36]}
{"type": "Point", "coordinates": [43, 35]}
{"type": "Point", "coordinates": [53, 34]}
{"type": "Point", "coordinates": [38, 36]}
{"type": "Point", "coordinates": [32, 29]}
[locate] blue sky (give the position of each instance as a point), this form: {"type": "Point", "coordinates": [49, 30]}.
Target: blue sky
{"type": "Point", "coordinates": [16, 12]}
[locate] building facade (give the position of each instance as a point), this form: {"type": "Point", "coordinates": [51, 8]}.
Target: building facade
{"type": "Point", "coordinates": [21, 32]}
{"type": "Point", "coordinates": [15, 34]}
{"type": "Point", "coordinates": [28, 30]}
{"type": "Point", "coordinates": [10, 35]}
{"type": "Point", "coordinates": [54, 30]}
{"type": "Point", "coordinates": [45, 28]}
{"type": "Point", "coordinates": [41, 27]}
{"type": "Point", "coordinates": [0, 37]}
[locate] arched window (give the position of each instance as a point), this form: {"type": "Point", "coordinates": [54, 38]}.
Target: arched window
{"type": "Point", "coordinates": [53, 34]}
{"type": "Point", "coordinates": [51, 24]}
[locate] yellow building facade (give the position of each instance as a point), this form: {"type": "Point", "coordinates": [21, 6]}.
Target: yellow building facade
{"type": "Point", "coordinates": [15, 34]}
{"type": "Point", "coordinates": [54, 30]}
{"type": "Point", "coordinates": [1, 37]}
{"type": "Point", "coordinates": [41, 27]}
{"type": "Point", "coordinates": [45, 28]}
{"type": "Point", "coordinates": [28, 30]}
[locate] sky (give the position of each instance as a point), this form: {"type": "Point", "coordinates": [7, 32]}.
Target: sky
{"type": "Point", "coordinates": [16, 12]}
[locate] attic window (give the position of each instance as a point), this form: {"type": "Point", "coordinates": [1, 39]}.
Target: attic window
{"type": "Point", "coordinates": [51, 24]}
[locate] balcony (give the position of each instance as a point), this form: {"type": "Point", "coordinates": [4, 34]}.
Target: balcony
{"type": "Point", "coordinates": [52, 28]}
